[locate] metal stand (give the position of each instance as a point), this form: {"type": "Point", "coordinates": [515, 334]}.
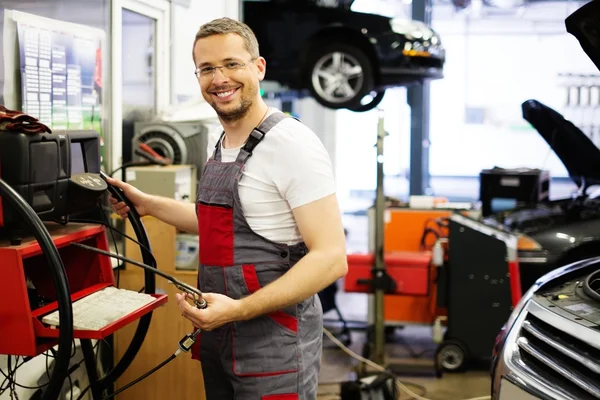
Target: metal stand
{"type": "Point", "coordinates": [379, 268]}
{"type": "Point", "coordinates": [380, 282]}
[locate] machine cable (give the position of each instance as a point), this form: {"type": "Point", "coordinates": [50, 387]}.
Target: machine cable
{"type": "Point", "coordinates": [185, 343]}
{"type": "Point", "coordinates": [150, 287]}
{"type": "Point", "coordinates": [63, 293]}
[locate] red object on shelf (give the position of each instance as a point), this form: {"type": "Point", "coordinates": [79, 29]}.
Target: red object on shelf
{"type": "Point", "coordinates": [409, 269]}
{"type": "Point", "coordinates": [21, 329]}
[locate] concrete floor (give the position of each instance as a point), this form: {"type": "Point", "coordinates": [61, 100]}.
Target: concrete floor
{"type": "Point", "coordinates": [410, 344]}
{"type": "Point", "coordinates": [338, 367]}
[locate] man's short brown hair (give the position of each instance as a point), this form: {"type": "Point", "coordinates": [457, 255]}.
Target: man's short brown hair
{"type": "Point", "coordinates": [223, 26]}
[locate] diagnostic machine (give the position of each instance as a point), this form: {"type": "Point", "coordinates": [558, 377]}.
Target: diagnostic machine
{"type": "Point", "coordinates": [58, 283]}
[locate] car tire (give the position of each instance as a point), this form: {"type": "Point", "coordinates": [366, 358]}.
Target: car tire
{"type": "Point", "coordinates": [377, 97]}
{"type": "Point", "coordinates": [339, 75]}
{"type": "Point", "coordinates": [452, 356]}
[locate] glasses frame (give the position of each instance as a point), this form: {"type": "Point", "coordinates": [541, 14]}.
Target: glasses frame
{"type": "Point", "coordinates": [223, 68]}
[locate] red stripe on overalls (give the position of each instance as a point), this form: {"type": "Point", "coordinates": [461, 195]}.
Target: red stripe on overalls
{"type": "Point", "coordinates": [287, 396]}
{"type": "Point", "coordinates": [215, 231]}
{"type": "Point", "coordinates": [279, 316]}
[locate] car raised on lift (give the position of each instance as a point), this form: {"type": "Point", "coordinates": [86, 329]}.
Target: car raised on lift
{"type": "Point", "coordinates": [345, 59]}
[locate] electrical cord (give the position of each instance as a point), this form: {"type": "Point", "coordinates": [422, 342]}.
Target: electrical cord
{"type": "Point", "coordinates": [63, 294]}
{"type": "Point", "coordinates": [112, 235]}
{"type": "Point", "coordinates": [402, 387]}
{"type": "Point", "coordinates": [115, 230]}
{"type": "Point", "coordinates": [10, 376]}
{"type": "Point", "coordinates": [147, 374]}
{"type": "Point", "coordinates": [179, 284]}
{"type": "Point", "coordinates": [130, 164]}
{"type": "Point", "coordinates": [185, 344]}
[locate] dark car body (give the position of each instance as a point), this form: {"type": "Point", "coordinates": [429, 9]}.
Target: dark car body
{"type": "Point", "coordinates": [295, 35]}
{"type": "Point", "coordinates": [563, 230]}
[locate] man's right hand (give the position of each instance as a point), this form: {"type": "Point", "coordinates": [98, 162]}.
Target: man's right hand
{"type": "Point", "coordinates": [139, 199]}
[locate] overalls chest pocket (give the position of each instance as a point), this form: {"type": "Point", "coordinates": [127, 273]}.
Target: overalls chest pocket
{"type": "Point", "coordinates": [215, 226]}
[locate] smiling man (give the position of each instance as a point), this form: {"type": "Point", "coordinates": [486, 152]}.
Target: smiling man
{"type": "Point", "coordinates": [270, 231]}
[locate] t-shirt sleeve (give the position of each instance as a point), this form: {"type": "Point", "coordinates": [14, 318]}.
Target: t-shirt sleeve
{"type": "Point", "coordinates": [212, 139]}
{"type": "Point", "coordinates": [303, 171]}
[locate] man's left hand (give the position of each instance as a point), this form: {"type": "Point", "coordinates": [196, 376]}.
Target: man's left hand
{"type": "Point", "coordinates": [219, 311]}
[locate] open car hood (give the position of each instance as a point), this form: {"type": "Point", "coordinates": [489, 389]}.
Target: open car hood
{"type": "Point", "coordinates": [584, 24]}
{"type": "Point", "coordinates": [577, 152]}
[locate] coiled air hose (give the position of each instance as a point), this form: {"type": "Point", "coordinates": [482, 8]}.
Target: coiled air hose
{"type": "Point", "coordinates": [63, 293]}
{"type": "Point", "coordinates": [149, 285]}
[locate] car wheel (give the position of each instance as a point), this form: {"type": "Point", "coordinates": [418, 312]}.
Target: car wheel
{"type": "Point", "coordinates": [339, 76]}
{"type": "Point", "coordinates": [375, 97]}
{"type": "Point", "coordinates": [451, 356]}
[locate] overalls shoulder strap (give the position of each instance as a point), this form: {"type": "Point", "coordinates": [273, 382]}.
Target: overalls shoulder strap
{"type": "Point", "coordinates": [217, 152]}
{"type": "Point", "coordinates": [258, 134]}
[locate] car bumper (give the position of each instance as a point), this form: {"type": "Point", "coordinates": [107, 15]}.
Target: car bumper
{"type": "Point", "coordinates": [513, 378]}
{"type": "Point", "coordinates": [519, 372]}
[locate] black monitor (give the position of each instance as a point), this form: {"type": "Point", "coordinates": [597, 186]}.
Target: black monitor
{"type": "Point", "coordinates": [57, 174]}
{"type": "Point", "coordinates": [84, 152]}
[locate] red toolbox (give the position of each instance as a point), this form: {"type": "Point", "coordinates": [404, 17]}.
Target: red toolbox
{"type": "Point", "coordinates": [409, 269]}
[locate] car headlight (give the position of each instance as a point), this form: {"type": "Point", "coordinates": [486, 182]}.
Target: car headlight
{"type": "Point", "coordinates": [525, 243]}
{"type": "Point", "coordinates": [413, 29]}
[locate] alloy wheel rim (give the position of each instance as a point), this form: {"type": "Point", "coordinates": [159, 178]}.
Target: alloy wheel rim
{"type": "Point", "coordinates": [337, 77]}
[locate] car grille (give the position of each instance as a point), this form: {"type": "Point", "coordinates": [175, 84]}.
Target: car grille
{"type": "Point", "coordinates": [560, 359]}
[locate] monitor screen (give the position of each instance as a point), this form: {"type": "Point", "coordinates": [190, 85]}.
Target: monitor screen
{"type": "Point", "coordinates": [77, 158]}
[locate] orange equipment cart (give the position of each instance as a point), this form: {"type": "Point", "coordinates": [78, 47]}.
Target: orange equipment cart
{"type": "Point", "coordinates": [407, 256]}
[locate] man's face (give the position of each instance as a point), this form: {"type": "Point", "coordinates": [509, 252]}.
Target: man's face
{"type": "Point", "coordinates": [231, 89]}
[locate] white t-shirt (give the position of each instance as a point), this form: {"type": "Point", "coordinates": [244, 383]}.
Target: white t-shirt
{"type": "Point", "coordinates": [290, 167]}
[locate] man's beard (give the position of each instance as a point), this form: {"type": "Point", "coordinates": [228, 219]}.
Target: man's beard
{"type": "Point", "coordinates": [234, 114]}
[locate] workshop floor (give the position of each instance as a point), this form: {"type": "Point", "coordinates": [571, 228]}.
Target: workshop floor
{"type": "Point", "coordinates": [411, 345]}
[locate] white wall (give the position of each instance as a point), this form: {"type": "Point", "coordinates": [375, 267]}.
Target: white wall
{"type": "Point", "coordinates": [495, 64]}
{"type": "Point", "coordinates": [185, 24]}
{"type": "Point", "coordinates": [356, 137]}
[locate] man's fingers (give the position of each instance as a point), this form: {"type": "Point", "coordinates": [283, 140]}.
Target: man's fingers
{"type": "Point", "coordinates": [189, 312]}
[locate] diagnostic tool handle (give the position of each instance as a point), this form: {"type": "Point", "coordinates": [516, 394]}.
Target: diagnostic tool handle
{"type": "Point", "coordinates": [195, 292]}
{"type": "Point", "coordinates": [118, 194]}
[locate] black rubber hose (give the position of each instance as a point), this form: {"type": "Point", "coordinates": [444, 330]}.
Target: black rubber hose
{"type": "Point", "coordinates": [150, 287]}
{"type": "Point", "coordinates": [59, 277]}
{"type": "Point", "coordinates": [591, 285]}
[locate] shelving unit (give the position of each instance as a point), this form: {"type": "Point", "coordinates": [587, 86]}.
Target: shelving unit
{"type": "Point", "coordinates": [24, 266]}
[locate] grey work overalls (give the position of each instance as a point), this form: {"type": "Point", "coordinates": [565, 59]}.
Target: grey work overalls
{"type": "Point", "coordinates": [272, 357]}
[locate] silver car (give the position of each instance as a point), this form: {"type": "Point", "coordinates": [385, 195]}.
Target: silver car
{"type": "Point", "coordinates": [550, 346]}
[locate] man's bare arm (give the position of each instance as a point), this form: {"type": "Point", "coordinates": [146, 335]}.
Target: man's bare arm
{"type": "Point", "coordinates": [180, 214]}
{"type": "Point", "coordinates": [321, 227]}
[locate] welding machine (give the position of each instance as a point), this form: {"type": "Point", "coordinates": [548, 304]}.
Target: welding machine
{"type": "Point", "coordinates": [57, 174]}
